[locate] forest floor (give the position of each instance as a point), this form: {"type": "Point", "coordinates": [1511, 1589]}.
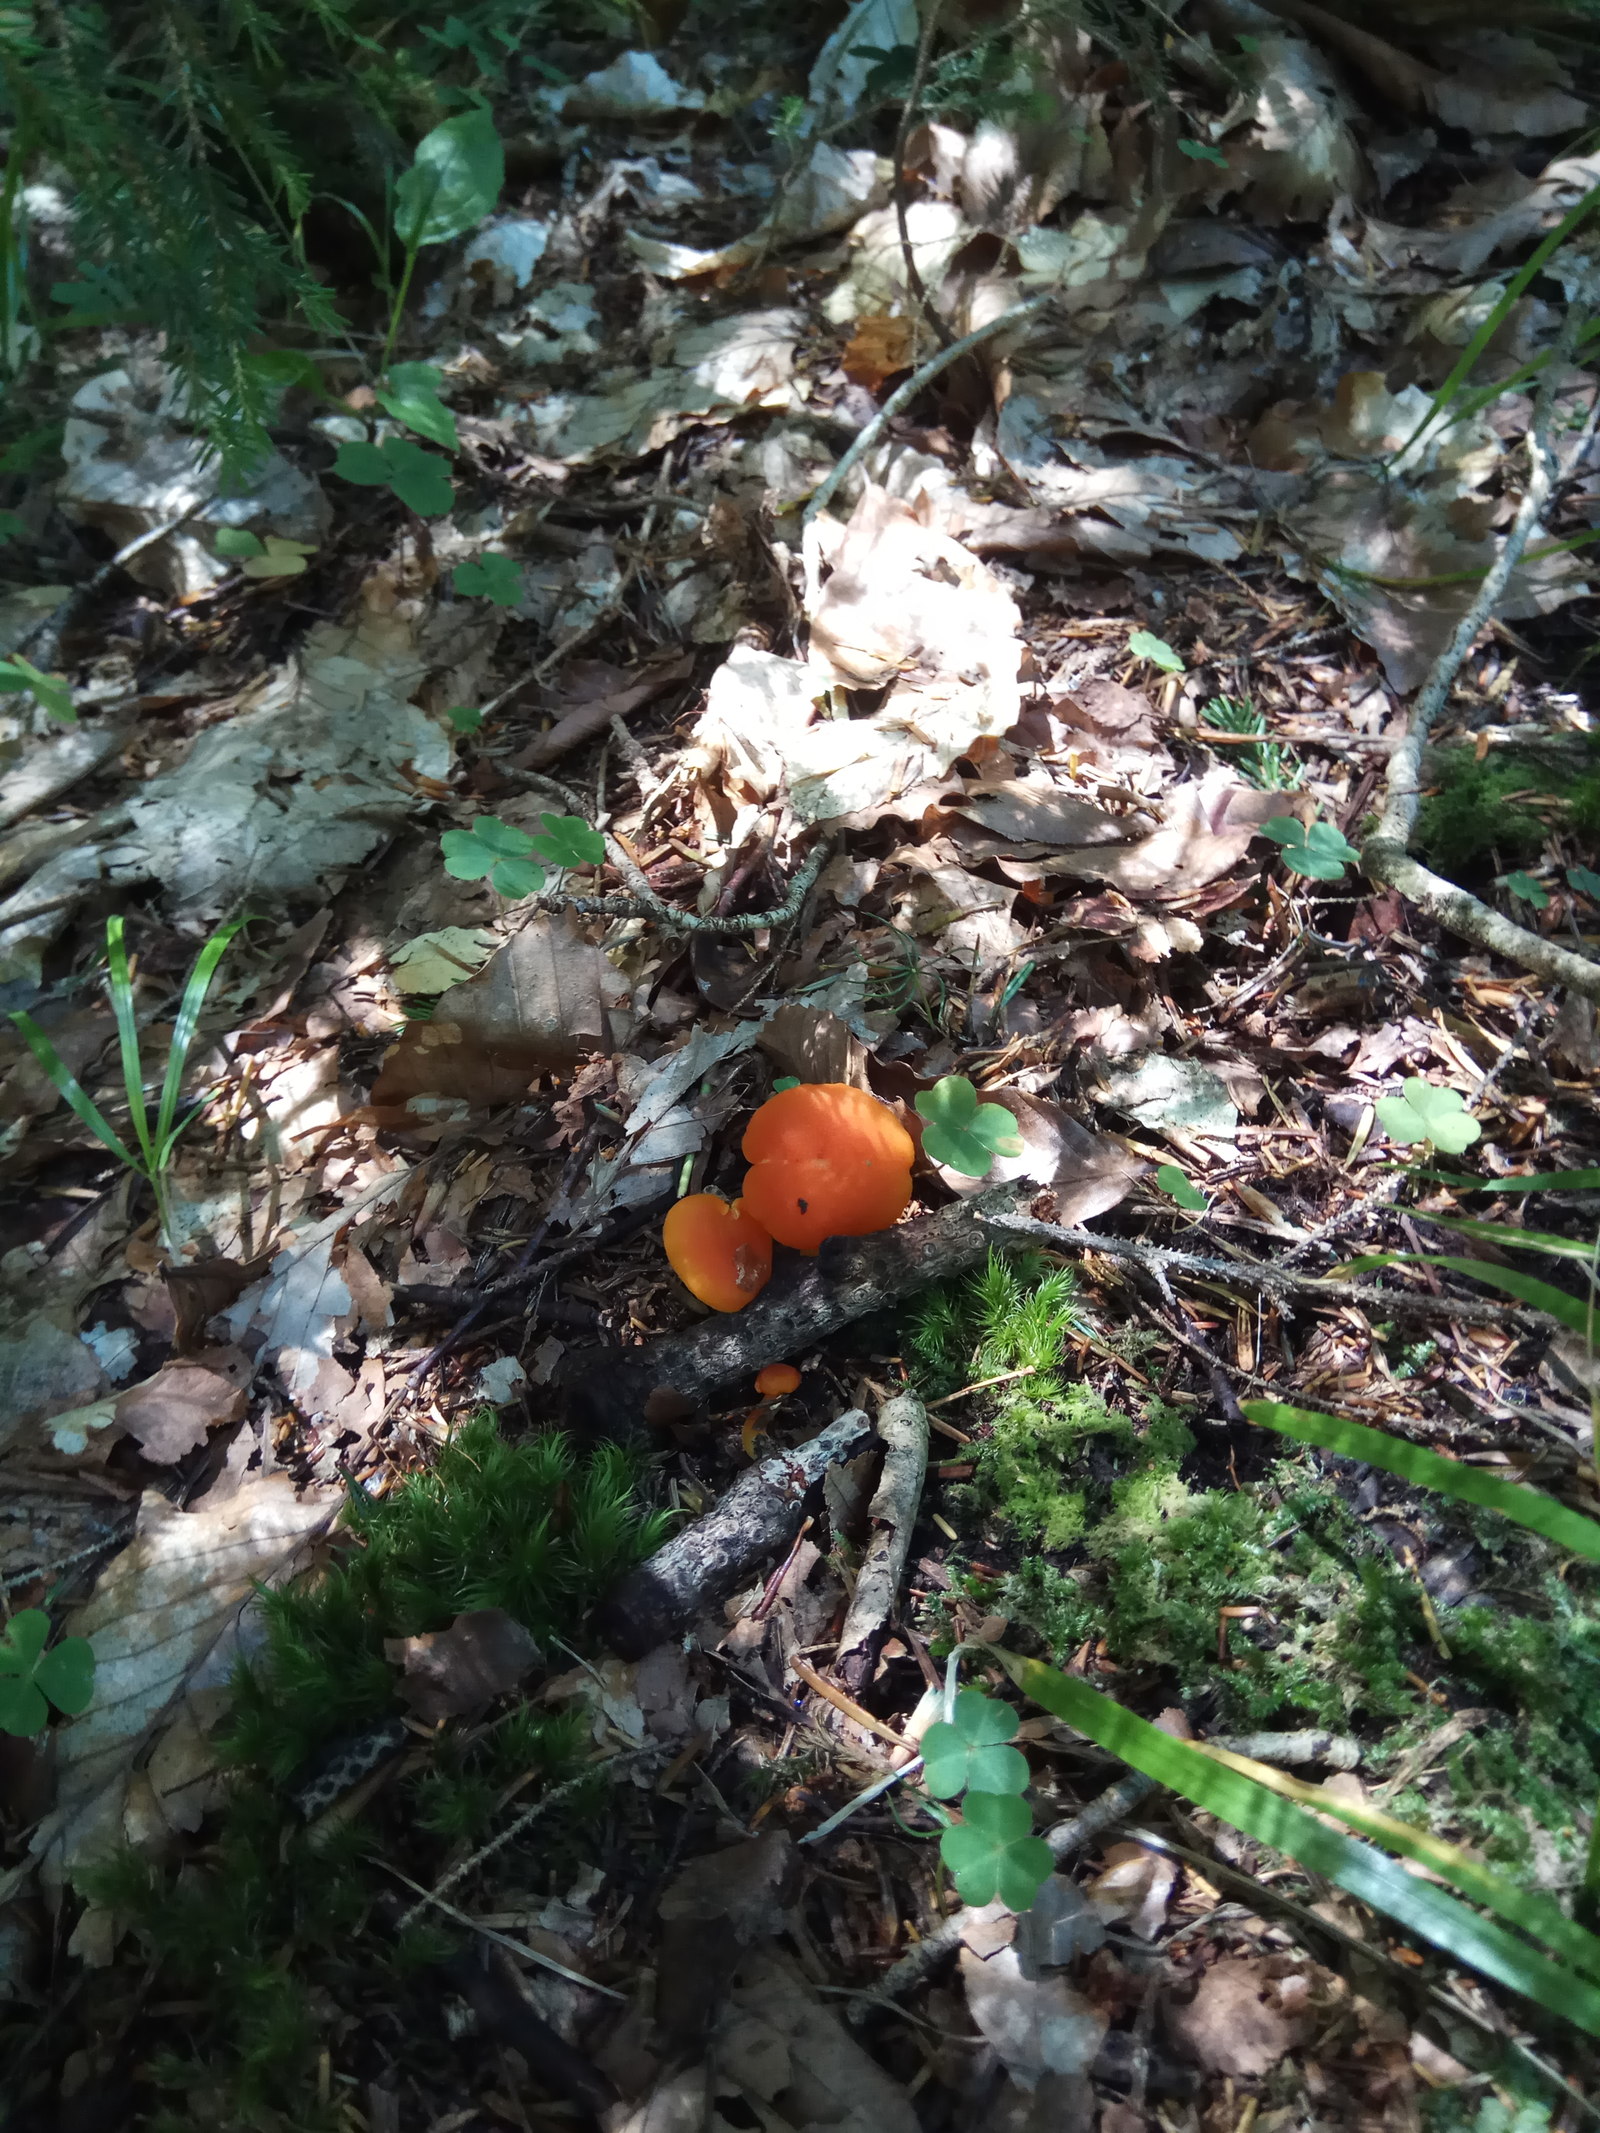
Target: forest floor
{"type": "Point", "coordinates": [1040, 761]}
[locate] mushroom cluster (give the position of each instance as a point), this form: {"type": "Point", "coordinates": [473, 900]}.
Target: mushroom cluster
{"type": "Point", "coordinates": [826, 1160]}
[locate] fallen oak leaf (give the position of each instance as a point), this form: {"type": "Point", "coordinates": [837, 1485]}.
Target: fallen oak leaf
{"type": "Point", "coordinates": [173, 1412]}
{"type": "Point", "coordinates": [450, 1672]}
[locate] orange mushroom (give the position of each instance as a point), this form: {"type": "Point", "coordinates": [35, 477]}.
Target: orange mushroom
{"type": "Point", "coordinates": [777, 1379]}
{"type": "Point", "coordinates": [826, 1160]}
{"type": "Point", "coordinates": [718, 1251]}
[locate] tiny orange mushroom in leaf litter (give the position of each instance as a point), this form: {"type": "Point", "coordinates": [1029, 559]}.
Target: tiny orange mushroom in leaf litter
{"type": "Point", "coordinates": [717, 1250]}
{"type": "Point", "coordinates": [777, 1379]}
{"type": "Point", "coordinates": [827, 1160]}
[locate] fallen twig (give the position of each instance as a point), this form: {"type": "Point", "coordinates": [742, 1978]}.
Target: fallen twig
{"type": "Point", "coordinates": [908, 118]}
{"type": "Point", "coordinates": [899, 400]}
{"type": "Point", "coordinates": [1385, 856]}
{"type": "Point", "coordinates": [1277, 1280]}
{"type": "Point", "coordinates": [706, 1561]}
{"type": "Point", "coordinates": [903, 1426]}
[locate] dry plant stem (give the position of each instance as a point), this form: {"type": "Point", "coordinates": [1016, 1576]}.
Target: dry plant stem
{"type": "Point", "coordinates": [908, 118]}
{"type": "Point", "coordinates": [903, 1426]}
{"type": "Point", "coordinates": [1385, 856]}
{"type": "Point", "coordinates": [900, 400]}
{"type": "Point", "coordinates": [1104, 1813]}
{"type": "Point", "coordinates": [1276, 1280]}
{"type": "Point", "coordinates": [519, 1948]}
{"type": "Point", "coordinates": [513, 1828]}
{"type": "Point", "coordinates": [708, 1560]}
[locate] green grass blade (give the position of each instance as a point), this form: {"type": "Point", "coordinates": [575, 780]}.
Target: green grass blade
{"type": "Point", "coordinates": [1569, 1311]}
{"type": "Point", "coordinates": [120, 983]}
{"type": "Point", "coordinates": [1364, 1872]}
{"type": "Point", "coordinates": [194, 999]}
{"type": "Point", "coordinates": [71, 1088]}
{"type": "Point", "coordinates": [1520, 1240]}
{"type": "Point", "coordinates": [1536, 1181]}
{"type": "Point", "coordinates": [1467, 361]}
{"type": "Point", "coordinates": [1468, 1484]}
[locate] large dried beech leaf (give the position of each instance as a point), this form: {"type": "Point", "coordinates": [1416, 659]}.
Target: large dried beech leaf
{"type": "Point", "coordinates": [175, 1410]}
{"type": "Point", "coordinates": [535, 1005]}
{"type": "Point", "coordinates": [152, 1620]}
{"type": "Point", "coordinates": [1207, 831]}
{"type": "Point", "coordinates": [1037, 2026]}
{"type": "Point", "coordinates": [1233, 2024]}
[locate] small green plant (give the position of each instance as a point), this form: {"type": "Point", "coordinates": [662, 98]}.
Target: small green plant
{"type": "Point", "coordinates": [454, 181]}
{"type": "Point", "coordinates": [31, 1678]}
{"type": "Point", "coordinates": [1528, 891]}
{"type": "Point", "coordinates": [992, 1850]}
{"type": "Point", "coordinates": [1318, 850]}
{"type": "Point", "coordinates": [421, 480]}
{"type": "Point", "coordinates": [1268, 765]}
{"type": "Point", "coordinates": [410, 393]}
{"type": "Point", "coordinates": [490, 577]}
{"type": "Point", "coordinates": [51, 695]}
{"type": "Point", "coordinates": [151, 1158]}
{"type": "Point", "coordinates": [1586, 882]}
{"type": "Point", "coordinates": [963, 1133]}
{"type": "Point", "coordinates": [465, 718]}
{"type": "Point", "coordinates": [274, 557]}
{"type": "Point", "coordinates": [1176, 1186]}
{"type": "Point", "coordinates": [1426, 1113]}
{"type": "Point", "coordinates": [1142, 645]}
{"type": "Point", "coordinates": [508, 858]}
{"type": "Point", "coordinates": [1203, 152]}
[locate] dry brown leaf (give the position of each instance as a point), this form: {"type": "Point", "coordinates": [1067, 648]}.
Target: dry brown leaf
{"type": "Point", "coordinates": [1234, 2024]}
{"type": "Point", "coordinates": [449, 1672]}
{"type": "Point", "coordinates": [813, 1045]}
{"type": "Point", "coordinates": [175, 1410]}
{"type": "Point", "coordinates": [1086, 1173]}
{"type": "Point", "coordinates": [153, 1619]}
{"type": "Point", "coordinates": [1037, 2026]}
{"type": "Point", "coordinates": [1036, 811]}
{"type": "Point", "coordinates": [1208, 828]}
{"type": "Point", "coordinates": [593, 714]}
{"type": "Point", "coordinates": [878, 348]}
{"type": "Point", "coordinates": [535, 1005]}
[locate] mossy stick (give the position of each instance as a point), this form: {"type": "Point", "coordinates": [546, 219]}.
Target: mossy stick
{"type": "Point", "coordinates": [1385, 855]}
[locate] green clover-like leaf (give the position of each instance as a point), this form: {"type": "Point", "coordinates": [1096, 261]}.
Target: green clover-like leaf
{"type": "Point", "coordinates": [465, 718]}
{"type": "Point", "coordinates": [66, 1674]}
{"type": "Point", "coordinates": [420, 479]}
{"type": "Point", "coordinates": [1176, 1186]}
{"type": "Point", "coordinates": [1427, 1113]}
{"type": "Point", "coordinates": [491, 577]}
{"type": "Point", "coordinates": [12, 528]}
{"type": "Point", "coordinates": [568, 841]}
{"type": "Point", "coordinates": [410, 393]}
{"type": "Point", "coordinates": [785, 1081]}
{"type": "Point", "coordinates": [1527, 890]}
{"type": "Point", "coordinates": [993, 1852]}
{"type": "Point", "coordinates": [454, 181]}
{"type": "Point", "coordinates": [970, 1753]}
{"type": "Point", "coordinates": [1202, 152]}
{"type": "Point", "coordinates": [1320, 851]}
{"type": "Point", "coordinates": [496, 852]}
{"type": "Point", "coordinates": [516, 878]}
{"type": "Point", "coordinates": [51, 695]}
{"type": "Point", "coordinates": [1157, 650]}
{"type": "Point", "coordinates": [237, 541]}
{"type": "Point", "coordinates": [1586, 881]}
{"type": "Point", "coordinates": [29, 1674]}
{"type": "Point", "coordinates": [962, 1133]}
{"type": "Point", "coordinates": [281, 558]}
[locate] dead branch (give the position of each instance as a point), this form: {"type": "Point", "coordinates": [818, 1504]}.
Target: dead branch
{"type": "Point", "coordinates": [903, 1426]}
{"type": "Point", "coordinates": [908, 118]}
{"type": "Point", "coordinates": [1385, 856]}
{"type": "Point", "coordinates": [806, 1300]}
{"type": "Point", "coordinates": [1275, 1280]}
{"type": "Point", "coordinates": [704, 1562]}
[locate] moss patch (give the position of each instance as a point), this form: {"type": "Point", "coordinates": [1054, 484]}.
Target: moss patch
{"type": "Point", "coordinates": [1480, 812]}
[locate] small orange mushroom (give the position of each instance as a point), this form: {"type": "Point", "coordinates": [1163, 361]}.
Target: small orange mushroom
{"type": "Point", "coordinates": [776, 1380]}
{"type": "Point", "coordinates": [718, 1251]}
{"type": "Point", "coordinates": [826, 1160]}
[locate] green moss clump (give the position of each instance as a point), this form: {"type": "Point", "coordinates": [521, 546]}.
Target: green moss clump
{"type": "Point", "coordinates": [1472, 818]}
{"type": "Point", "coordinates": [262, 1929]}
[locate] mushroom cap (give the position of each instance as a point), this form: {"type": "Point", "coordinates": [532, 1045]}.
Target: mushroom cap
{"type": "Point", "coordinates": [826, 1160]}
{"type": "Point", "coordinates": [720, 1253]}
{"type": "Point", "coordinates": [777, 1379]}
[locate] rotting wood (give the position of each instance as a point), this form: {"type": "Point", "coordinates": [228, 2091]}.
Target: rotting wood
{"type": "Point", "coordinates": [706, 1561]}
{"type": "Point", "coordinates": [903, 1426]}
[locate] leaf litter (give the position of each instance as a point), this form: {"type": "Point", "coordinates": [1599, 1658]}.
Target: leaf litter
{"type": "Point", "coordinates": [1065, 926]}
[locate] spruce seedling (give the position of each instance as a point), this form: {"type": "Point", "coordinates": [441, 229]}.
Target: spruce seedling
{"type": "Point", "coordinates": [151, 1159]}
{"type": "Point", "coordinates": [962, 1133]}
{"type": "Point", "coordinates": [31, 1678]}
